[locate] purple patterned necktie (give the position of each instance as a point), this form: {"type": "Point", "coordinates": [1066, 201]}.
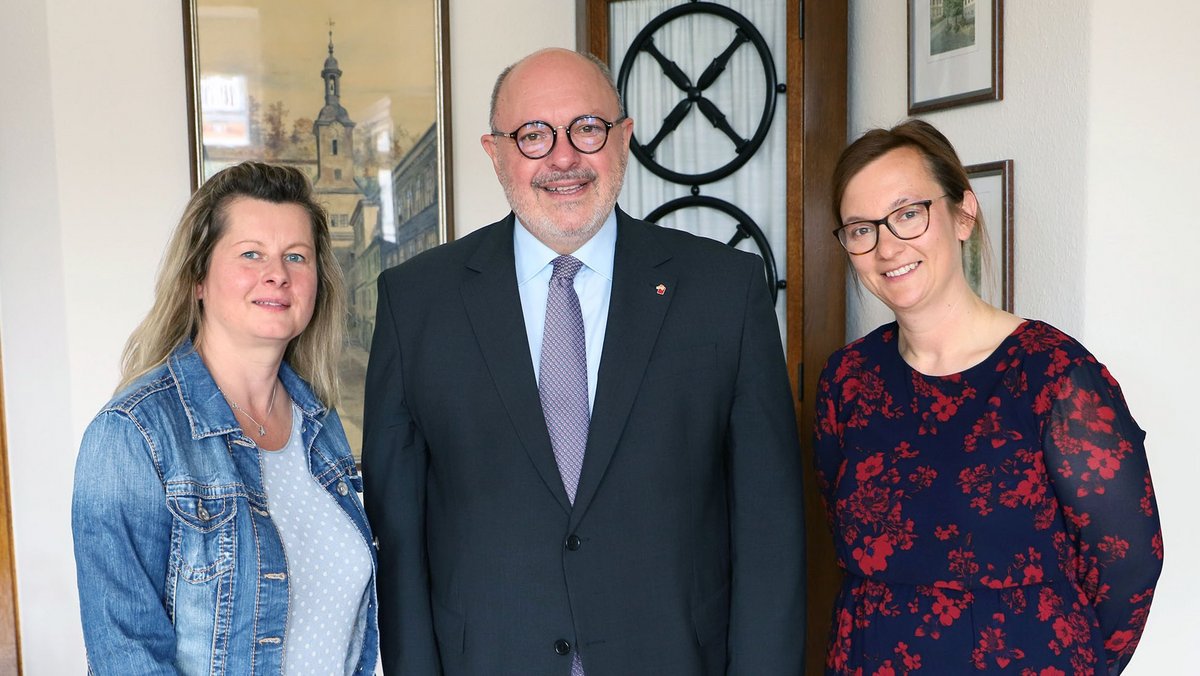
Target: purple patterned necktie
{"type": "Point", "coordinates": [563, 381]}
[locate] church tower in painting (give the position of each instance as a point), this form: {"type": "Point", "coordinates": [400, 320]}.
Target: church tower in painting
{"type": "Point", "coordinates": [334, 182]}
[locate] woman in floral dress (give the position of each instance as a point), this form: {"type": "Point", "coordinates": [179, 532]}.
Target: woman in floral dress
{"type": "Point", "coordinates": [986, 485]}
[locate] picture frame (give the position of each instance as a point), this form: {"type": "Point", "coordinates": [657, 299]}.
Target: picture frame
{"type": "Point", "coordinates": [955, 53]}
{"type": "Point", "coordinates": [356, 95]}
{"type": "Point", "coordinates": [991, 276]}
{"type": "Point", "coordinates": [10, 632]}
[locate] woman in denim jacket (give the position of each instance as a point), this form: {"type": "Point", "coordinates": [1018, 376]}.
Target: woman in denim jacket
{"type": "Point", "coordinates": [216, 519]}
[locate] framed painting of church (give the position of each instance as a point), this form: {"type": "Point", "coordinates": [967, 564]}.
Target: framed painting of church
{"type": "Point", "coordinates": [355, 94]}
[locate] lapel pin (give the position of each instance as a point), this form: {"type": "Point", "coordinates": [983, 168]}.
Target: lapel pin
{"type": "Point", "coordinates": [661, 289]}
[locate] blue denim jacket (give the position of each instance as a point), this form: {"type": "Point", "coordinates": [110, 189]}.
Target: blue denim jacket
{"type": "Point", "coordinates": [180, 567]}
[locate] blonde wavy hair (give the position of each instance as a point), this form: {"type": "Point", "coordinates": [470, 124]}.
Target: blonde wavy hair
{"type": "Point", "coordinates": [177, 314]}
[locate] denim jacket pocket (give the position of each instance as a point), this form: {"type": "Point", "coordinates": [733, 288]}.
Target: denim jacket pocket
{"type": "Point", "coordinates": [206, 540]}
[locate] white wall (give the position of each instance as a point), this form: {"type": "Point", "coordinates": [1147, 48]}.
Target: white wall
{"type": "Point", "coordinates": [94, 170]}
{"type": "Point", "coordinates": [478, 53]}
{"type": "Point", "coordinates": [93, 175]}
{"type": "Point", "coordinates": [1098, 115]}
{"type": "Point", "coordinates": [1140, 309]}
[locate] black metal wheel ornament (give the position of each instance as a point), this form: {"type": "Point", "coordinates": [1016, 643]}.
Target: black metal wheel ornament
{"type": "Point", "coordinates": [745, 148]}
{"type": "Point", "coordinates": [746, 228]}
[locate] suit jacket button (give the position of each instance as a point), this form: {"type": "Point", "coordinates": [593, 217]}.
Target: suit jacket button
{"type": "Point", "coordinates": [562, 647]}
{"type": "Point", "coordinates": [574, 543]}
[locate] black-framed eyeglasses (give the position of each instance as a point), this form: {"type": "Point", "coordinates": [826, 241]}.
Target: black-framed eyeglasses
{"type": "Point", "coordinates": [586, 133]}
{"type": "Point", "coordinates": [907, 222]}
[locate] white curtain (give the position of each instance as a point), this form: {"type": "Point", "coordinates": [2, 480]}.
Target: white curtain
{"type": "Point", "coordinates": [692, 42]}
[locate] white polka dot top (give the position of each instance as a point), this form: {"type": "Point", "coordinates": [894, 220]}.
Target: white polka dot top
{"type": "Point", "coordinates": [328, 564]}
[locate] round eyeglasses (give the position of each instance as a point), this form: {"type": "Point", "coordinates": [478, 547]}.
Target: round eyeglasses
{"type": "Point", "coordinates": [907, 222]}
{"type": "Point", "coordinates": [586, 133]}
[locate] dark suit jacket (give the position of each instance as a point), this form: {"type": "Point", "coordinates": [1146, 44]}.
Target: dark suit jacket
{"type": "Point", "coordinates": [684, 551]}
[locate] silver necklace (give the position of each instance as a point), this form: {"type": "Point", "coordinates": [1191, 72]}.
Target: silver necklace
{"type": "Point", "coordinates": [262, 430]}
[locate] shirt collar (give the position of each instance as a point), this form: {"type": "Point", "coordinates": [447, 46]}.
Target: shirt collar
{"type": "Point", "coordinates": [207, 408]}
{"type": "Point", "coordinates": [532, 256]}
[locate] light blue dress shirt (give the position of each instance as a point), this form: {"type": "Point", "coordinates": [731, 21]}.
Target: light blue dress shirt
{"type": "Point", "coordinates": [593, 285]}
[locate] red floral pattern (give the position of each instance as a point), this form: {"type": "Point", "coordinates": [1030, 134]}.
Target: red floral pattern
{"type": "Point", "coordinates": [1000, 519]}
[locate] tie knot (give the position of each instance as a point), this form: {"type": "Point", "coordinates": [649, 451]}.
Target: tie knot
{"type": "Point", "coordinates": [565, 267]}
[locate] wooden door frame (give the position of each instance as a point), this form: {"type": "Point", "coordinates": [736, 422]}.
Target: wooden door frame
{"type": "Point", "coordinates": [816, 267]}
{"type": "Point", "coordinates": [10, 634]}
{"type": "Point", "coordinates": [817, 72]}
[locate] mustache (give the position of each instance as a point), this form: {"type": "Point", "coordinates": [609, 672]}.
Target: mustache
{"type": "Point", "coordinates": [580, 174]}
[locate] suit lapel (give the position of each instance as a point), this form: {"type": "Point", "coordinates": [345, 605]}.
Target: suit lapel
{"type": "Point", "coordinates": [635, 315]}
{"type": "Point", "coordinates": [494, 308]}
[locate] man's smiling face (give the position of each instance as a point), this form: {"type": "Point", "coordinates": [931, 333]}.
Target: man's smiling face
{"type": "Point", "coordinates": [564, 197]}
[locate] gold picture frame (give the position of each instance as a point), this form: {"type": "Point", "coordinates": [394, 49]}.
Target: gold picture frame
{"type": "Point", "coordinates": [354, 94]}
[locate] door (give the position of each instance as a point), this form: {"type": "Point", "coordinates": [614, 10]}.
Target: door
{"type": "Point", "coordinates": [814, 275]}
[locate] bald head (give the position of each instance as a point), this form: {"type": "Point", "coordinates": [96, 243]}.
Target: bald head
{"type": "Point", "coordinates": [556, 62]}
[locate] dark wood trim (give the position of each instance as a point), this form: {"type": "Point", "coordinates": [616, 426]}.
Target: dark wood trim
{"type": "Point", "coordinates": [592, 28]}
{"type": "Point", "coordinates": [819, 57]}
{"type": "Point", "coordinates": [795, 193]}
{"type": "Point", "coordinates": [10, 629]}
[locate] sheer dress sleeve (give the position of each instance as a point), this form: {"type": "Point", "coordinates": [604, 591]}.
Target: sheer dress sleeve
{"type": "Point", "coordinates": [1096, 460]}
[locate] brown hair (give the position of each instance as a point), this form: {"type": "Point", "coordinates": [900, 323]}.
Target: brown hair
{"type": "Point", "coordinates": [940, 159]}
{"type": "Point", "coordinates": [177, 314]}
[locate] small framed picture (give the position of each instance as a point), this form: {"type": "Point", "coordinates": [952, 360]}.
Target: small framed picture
{"type": "Point", "coordinates": [992, 276]}
{"type": "Point", "coordinates": [955, 53]}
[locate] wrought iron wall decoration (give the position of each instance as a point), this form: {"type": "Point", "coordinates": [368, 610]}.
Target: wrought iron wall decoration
{"type": "Point", "coordinates": [693, 97]}
{"type": "Point", "coordinates": [746, 228]}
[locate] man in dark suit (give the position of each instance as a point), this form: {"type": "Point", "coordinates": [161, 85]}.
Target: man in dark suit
{"type": "Point", "coordinates": [624, 504]}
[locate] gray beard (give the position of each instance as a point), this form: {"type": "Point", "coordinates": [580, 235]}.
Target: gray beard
{"type": "Point", "coordinates": [546, 230]}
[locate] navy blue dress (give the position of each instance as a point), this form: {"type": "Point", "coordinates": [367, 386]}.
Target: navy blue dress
{"type": "Point", "coordinates": [1000, 519]}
